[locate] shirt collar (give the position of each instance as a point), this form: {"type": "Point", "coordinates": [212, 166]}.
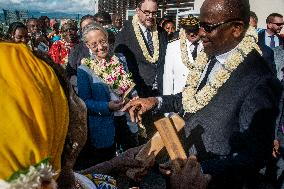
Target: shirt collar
{"type": "Point", "coordinates": [143, 28]}
{"type": "Point", "coordinates": [189, 43]}
{"type": "Point", "coordinates": [223, 57]}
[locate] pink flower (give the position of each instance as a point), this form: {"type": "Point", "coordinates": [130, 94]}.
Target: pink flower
{"type": "Point", "coordinates": [114, 75]}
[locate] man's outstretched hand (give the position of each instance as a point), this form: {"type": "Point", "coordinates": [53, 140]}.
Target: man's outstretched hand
{"type": "Point", "coordinates": [139, 106]}
{"type": "Point", "coordinates": [189, 177]}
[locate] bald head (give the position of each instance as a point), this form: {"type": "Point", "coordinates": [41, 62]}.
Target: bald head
{"type": "Point", "coordinates": [226, 10]}
{"type": "Point", "coordinates": [223, 24]}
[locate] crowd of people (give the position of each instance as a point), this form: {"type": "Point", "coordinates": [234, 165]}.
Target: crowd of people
{"type": "Point", "coordinates": [64, 126]}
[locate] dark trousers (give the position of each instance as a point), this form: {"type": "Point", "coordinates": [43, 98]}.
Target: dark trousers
{"type": "Point", "coordinates": [125, 139]}
{"type": "Point", "coordinates": [90, 156]}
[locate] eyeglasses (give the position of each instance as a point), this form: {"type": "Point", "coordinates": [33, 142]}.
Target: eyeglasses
{"type": "Point", "coordinates": [147, 13]}
{"type": "Point", "coordinates": [278, 24]}
{"type": "Point", "coordinates": [210, 27]}
{"type": "Point", "coordinates": [95, 45]}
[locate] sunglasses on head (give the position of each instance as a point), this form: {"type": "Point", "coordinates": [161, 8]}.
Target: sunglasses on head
{"type": "Point", "coordinates": [278, 24]}
{"type": "Point", "coordinates": [210, 27]}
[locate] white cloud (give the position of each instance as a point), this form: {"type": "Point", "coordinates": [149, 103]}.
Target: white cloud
{"type": "Point", "coordinates": [15, 1]}
{"type": "Point", "coordinates": [70, 6]}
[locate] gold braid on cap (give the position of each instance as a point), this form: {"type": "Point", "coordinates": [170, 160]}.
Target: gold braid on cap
{"type": "Point", "coordinates": [190, 21]}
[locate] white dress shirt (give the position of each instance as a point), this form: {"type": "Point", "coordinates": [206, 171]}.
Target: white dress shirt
{"type": "Point", "coordinates": [218, 66]}
{"type": "Point", "coordinates": [175, 72]}
{"type": "Point", "coordinates": [144, 31]}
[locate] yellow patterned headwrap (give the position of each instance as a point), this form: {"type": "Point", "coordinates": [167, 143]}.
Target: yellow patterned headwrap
{"type": "Point", "coordinates": [33, 108]}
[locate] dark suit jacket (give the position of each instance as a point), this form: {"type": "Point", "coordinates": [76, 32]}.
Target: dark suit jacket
{"type": "Point", "coordinates": [233, 135]}
{"type": "Point", "coordinates": [267, 52]}
{"type": "Point", "coordinates": [77, 53]}
{"type": "Point", "coordinates": [143, 72]}
{"type": "Point", "coordinates": [268, 55]}
{"type": "Point", "coordinates": [261, 38]}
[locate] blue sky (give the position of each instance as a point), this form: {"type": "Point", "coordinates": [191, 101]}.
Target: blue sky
{"type": "Point", "coordinates": [68, 6]}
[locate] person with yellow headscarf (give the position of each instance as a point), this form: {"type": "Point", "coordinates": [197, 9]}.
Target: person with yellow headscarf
{"type": "Point", "coordinates": [43, 125]}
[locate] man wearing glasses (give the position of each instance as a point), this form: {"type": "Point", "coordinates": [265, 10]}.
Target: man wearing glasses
{"type": "Point", "coordinates": [144, 46]}
{"type": "Point", "coordinates": [270, 36]}
{"type": "Point", "coordinates": [230, 103]}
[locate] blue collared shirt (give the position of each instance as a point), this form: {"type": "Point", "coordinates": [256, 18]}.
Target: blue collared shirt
{"type": "Point", "coordinates": [268, 39]}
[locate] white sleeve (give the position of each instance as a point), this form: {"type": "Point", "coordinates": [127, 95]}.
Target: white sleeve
{"type": "Point", "coordinates": [168, 73]}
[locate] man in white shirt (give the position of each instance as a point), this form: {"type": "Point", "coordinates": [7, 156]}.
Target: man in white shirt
{"type": "Point", "coordinates": [189, 45]}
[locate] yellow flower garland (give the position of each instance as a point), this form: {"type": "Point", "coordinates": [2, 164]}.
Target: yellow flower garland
{"type": "Point", "coordinates": [142, 44]}
{"type": "Point", "coordinates": [191, 99]}
{"type": "Point", "coordinates": [198, 65]}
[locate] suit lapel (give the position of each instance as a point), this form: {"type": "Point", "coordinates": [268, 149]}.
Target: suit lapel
{"type": "Point", "coordinates": [261, 38]}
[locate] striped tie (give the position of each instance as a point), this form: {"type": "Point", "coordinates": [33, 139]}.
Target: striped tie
{"type": "Point", "coordinates": [150, 42]}
{"type": "Point", "coordinates": [272, 42]}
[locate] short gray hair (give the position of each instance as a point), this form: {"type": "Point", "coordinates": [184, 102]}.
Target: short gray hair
{"type": "Point", "coordinates": [92, 27]}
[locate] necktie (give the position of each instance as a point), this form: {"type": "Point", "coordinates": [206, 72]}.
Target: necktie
{"type": "Point", "coordinates": [150, 42]}
{"type": "Point", "coordinates": [194, 52]}
{"type": "Point", "coordinates": [272, 42]}
{"type": "Point", "coordinates": [209, 68]}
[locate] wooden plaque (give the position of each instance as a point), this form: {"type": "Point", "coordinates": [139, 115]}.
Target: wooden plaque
{"type": "Point", "coordinates": [165, 137]}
